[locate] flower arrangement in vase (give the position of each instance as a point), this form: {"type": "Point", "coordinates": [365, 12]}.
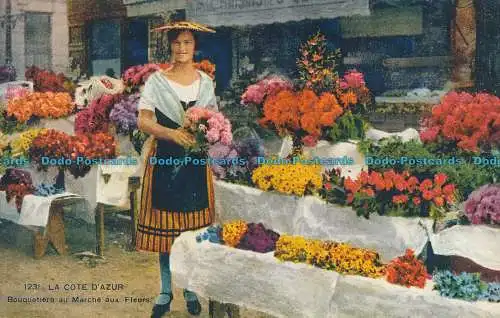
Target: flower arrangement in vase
{"type": "Point", "coordinates": [321, 106]}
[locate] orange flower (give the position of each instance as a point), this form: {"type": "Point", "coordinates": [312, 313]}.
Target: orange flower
{"type": "Point", "coordinates": [400, 199]}
{"type": "Point", "coordinates": [348, 99]}
{"type": "Point", "coordinates": [351, 185]}
{"type": "Point", "coordinates": [427, 195]}
{"type": "Point", "coordinates": [440, 179]}
{"type": "Point", "coordinates": [439, 201]}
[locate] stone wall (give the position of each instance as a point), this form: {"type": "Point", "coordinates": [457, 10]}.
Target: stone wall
{"type": "Point", "coordinates": [59, 36]}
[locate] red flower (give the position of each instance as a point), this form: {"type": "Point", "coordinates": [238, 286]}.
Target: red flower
{"type": "Point", "coordinates": [427, 195]}
{"type": "Point", "coordinates": [440, 179]}
{"type": "Point", "coordinates": [416, 200]}
{"type": "Point", "coordinates": [449, 189]}
{"type": "Point", "coordinates": [425, 185]}
{"type": "Point", "coordinates": [439, 201]}
{"type": "Point", "coordinates": [328, 186]}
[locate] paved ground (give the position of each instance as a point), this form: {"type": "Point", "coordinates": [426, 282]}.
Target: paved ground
{"type": "Point", "coordinates": [138, 272]}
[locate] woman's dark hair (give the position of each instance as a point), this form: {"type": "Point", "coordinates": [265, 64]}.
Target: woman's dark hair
{"type": "Point", "coordinates": [172, 35]}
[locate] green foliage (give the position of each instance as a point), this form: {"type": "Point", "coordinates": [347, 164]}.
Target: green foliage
{"type": "Point", "coordinates": [10, 125]}
{"type": "Point", "coordinates": [467, 177]}
{"type": "Point", "coordinates": [348, 126]}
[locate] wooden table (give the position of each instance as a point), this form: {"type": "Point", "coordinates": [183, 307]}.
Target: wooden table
{"type": "Point", "coordinates": [54, 231]}
{"type": "Point", "coordinates": [134, 184]}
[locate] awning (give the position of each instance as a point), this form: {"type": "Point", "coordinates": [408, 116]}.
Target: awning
{"type": "Point", "coordinates": [253, 12]}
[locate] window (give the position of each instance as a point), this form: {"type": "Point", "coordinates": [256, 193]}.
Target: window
{"type": "Point", "coordinates": [38, 40]}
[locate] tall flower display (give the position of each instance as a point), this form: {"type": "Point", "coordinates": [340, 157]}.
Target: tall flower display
{"type": "Point", "coordinates": [323, 105]}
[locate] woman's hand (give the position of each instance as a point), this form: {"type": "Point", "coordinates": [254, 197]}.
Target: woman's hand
{"type": "Point", "coordinates": [182, 137]}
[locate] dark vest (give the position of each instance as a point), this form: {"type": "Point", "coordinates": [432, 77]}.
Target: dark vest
{"type": "Point", "coordinates": [180, 188]}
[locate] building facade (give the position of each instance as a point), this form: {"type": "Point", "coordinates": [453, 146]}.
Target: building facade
{"type": "Point", "coordinates": [38, 35]}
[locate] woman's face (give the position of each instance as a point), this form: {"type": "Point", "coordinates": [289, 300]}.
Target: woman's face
{"type": "Point", "coordinates": [183, 48]}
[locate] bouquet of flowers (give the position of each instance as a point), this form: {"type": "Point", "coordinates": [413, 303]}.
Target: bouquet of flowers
{"type": "Point", "coordinates": [207, 67]}
{"type": "Point", "coordinates": [303, 115]}
{"type": "Point", "coordinates": [48, 143]}
{"type": "Point", "coordinates": [16, 183]}
{"type": "Point", "coordinates": [317, 66]}
{"type": "Point", "coordinates": [469, 122]}
{"type": "Point", "coordinates": [90, 147]}
{"type": "Point", "coordinates": [21, 145]}
{"type": "Point", "coordinates": [209, 127]}
{"type": "Point", "coordinates": [270, 86]}
{"type": "Point", "coordinates": [407, 270]}
{"type": "Point", "coordinates": [483, 205]}
{"type": "Point", "coordinates": [135, 76]}
{"type": "Point", "coordinates": [95, 118]}
{"type": "Point", "coordinates": [16, 92]}
{"type": "Point", "coordinates": [46, 81]}
{"type": "Point", "coordinates": [43, 105]}
{"type": "Point", "coordinates": [124, 114]}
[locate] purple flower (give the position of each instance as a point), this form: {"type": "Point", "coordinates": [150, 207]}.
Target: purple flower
{"type": "Point", "coordinates": [124, 113]}
{"type": "Point", "coordinates": [483, 205]}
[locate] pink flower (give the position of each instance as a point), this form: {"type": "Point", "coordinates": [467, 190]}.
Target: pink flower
{"type": "Point", "coordinates": [226, 138]}
{"type": "Point", "coordinates": [212, 136]}
{"type": "Point", "coordinates": [254, 94]}
{"type": "Point", "coordinates": [353, 79]}
{"type": "Point", "coordinates": [310, 141]}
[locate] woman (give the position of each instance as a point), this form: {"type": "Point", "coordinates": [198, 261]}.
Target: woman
{"type": "Point", "coordinates": [174, 198]}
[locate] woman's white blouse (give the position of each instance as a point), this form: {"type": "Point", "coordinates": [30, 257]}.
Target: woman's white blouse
{"type": "Point", "coordinates": [186, 93]}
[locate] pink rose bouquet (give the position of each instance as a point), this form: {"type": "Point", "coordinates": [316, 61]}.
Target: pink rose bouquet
{"type": "Point", "coordinates": [209, 128]}
{"type": "Point", "coordinates": [256, 93]}
{"type": "Point", "coordinates": [136, 76]}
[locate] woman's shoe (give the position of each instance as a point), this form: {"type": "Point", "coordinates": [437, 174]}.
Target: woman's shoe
{"type": "Point", "coordinates": [194, 307]}
{"type": "Point", "coordinates": [160, 310]}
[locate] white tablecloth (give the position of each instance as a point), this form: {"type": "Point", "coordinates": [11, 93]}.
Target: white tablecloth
{"type": "Point", "coordinates": [283, 289]}
{"type": "Point", "coordinates": [34, 210]}
{"type": "Point", "coordinates": [311, 217]}
{"type": "Point", "coordinates": [479, 243]}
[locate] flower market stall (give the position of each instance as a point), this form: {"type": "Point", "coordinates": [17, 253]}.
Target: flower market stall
{"type": "Point", "coordinates": [401, 200]}
{"type": "Point", "coordinates": [94, 121]}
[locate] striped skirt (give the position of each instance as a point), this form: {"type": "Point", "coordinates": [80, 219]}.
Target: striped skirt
{"type": "Point", "coordinates": [157, 229]}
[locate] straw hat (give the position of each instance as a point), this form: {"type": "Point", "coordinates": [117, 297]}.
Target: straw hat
{"type": "Point", "coordinates": [184, 25]}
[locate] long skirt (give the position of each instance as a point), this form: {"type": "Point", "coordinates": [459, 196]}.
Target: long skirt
{"type": "Point", "coordinates": [157, 229]}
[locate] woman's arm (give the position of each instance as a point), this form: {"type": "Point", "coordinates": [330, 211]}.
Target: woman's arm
{"type": "Point", "coordinates": [146, 124]}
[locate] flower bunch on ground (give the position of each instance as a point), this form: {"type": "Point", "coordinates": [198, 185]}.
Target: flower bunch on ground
{"type": "Point", "coordinates": [471, 122]}
{"type": "Point", "coordinates": [339, 257]}
{"type": "Point", "coordinates": [43, 105]}
{"type": "Point", "coordinates": [483, 205]}
{"type": "Point", "coordinates": [298, 179]}
{"type": "Point", "coordinates": [407, 270]}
